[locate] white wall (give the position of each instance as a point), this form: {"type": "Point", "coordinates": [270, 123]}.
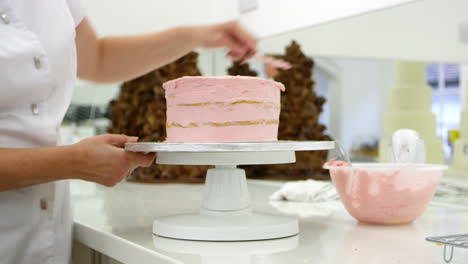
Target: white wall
{"type": "Point", "coordinates": [418, 30]}
{"type": "Point", "coordinates": [362, 96]}
{"type": "Point", "coordinates": [113, 17]}
{"type": "Point", "coordinates": [357, 97]}
{"type": "Point", "coordinates": [273, 17]}
{"type": "Point", "coordinates": [333, 74]}
{"type": "Point", "coordinates": [422, 30]}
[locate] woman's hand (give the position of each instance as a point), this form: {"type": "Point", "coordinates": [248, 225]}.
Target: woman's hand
{"type": "Point", "coordinates": [232, 35]}
{"type": "Point", "coordinates": [102, 159]}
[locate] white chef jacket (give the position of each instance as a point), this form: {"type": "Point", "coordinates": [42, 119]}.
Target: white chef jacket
{"type": "Point", "coordinates": [37, 74]}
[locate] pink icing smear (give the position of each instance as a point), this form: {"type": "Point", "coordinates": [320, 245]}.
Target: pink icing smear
{"type": "Point", "coordinates": [337, 163]}
{"type": "Point", "coordinates": [223, 134]}
{"type": "Point", "coordinates": [276, 63]}
{"type": "Point", "coordinates": [385, 195]}
{"type": "Point", "coordinates": [230, 88]}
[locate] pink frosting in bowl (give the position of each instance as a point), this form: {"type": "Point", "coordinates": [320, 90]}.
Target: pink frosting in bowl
{"type": "Point", "coordinates": [386, 194]}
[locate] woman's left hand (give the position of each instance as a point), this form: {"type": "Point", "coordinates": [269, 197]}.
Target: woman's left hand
{"type": "Point", "coordinates": [232, 35]}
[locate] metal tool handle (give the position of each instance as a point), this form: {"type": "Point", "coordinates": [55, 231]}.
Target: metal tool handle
{"type": "Point", "coordinates": [449, 259]}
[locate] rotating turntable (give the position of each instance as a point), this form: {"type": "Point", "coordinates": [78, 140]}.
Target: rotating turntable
{"type": "Point", "coordinates": [226, 213]}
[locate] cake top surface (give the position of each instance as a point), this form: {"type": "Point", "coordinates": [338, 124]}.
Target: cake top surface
{"type": "Point", "coordinates": [221, 80]}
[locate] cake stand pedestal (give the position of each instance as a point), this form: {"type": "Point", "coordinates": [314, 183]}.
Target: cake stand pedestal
{"type": "Point", "coordinates": [228, 252]}
{"type": "Point", "coordinates": [226, 213]}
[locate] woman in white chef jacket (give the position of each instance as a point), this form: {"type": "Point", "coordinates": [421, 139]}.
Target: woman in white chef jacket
{"type": "Point", "coordinates": [44, 46]}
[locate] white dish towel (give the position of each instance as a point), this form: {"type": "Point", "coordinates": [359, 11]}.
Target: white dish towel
{"type": "Point", "coordinates": [306, 198]}
{"type": "Point", "coordinates": [306, 191]}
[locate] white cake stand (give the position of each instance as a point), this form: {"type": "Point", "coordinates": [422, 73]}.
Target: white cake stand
{"type": "Point", "coordinates": [226, 213]}
{"type": "Point", "coordinates": [227, 252]}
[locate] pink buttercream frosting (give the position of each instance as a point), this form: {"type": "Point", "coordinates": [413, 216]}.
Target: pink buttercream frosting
{"type": "Point", "coordinates": [222, 109]}
{"type": "Point", "coordinates": [336, 163]}
{"type": "Point", "coordinates": [392, 195]}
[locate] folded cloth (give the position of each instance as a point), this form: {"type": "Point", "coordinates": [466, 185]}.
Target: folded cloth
{"type": "Point", "coordinates": [306, 191]}
{"type": "Point", "coordinates": [305, 210]}
{"type": "Point", "coordinates": [310, 198]}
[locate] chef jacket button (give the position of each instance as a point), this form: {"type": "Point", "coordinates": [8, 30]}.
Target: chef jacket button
{"type": "Point", "coordinates": [35, 109]}
{"type": "Point", "coordinates": [43, 204]}
{"type": "Point", "coordinates": [37, 62]}
{"type": "Point", "coordinates": [4, 17]}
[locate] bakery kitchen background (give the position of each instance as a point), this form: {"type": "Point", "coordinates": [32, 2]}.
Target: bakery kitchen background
{"type": "Point", "coordinates": [357, 75]}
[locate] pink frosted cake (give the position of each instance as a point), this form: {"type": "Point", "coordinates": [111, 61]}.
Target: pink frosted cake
{"type": "Point", "coordinates": [222, 109]}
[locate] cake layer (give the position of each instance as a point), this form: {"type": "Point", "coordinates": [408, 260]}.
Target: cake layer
{"type": "Point", "coordinates": [222, 109]}
{"type": "Point", "coordinates": [224, 133]}
{"type": "Point", "coordinates": [423, 122]}
{"type": "Point", "coordinates": [203, 90]}
{"type": "Point", "coordinates": [223, 112]}
{"type": "Point", "coordinates": [416, 98]}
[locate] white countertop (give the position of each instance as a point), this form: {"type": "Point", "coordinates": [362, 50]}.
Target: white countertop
{"type": "Point", "coordinates": [118, 223]}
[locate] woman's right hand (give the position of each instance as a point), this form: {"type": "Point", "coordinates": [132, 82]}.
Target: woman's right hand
{"type": "Point", "coordinates": [103, 160]}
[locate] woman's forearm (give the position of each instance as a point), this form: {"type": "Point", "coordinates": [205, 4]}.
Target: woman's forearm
{"type": "Point", "coordinates": [99, 159]}
{"type": "Point", "coordinates": [115, 59]}
{"type": "Point", "coordinates": [120, 58]}
{"type": "Point", "coordinates": [126, 57]}
{"type": "Point", "coordinates": [25, 167]}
